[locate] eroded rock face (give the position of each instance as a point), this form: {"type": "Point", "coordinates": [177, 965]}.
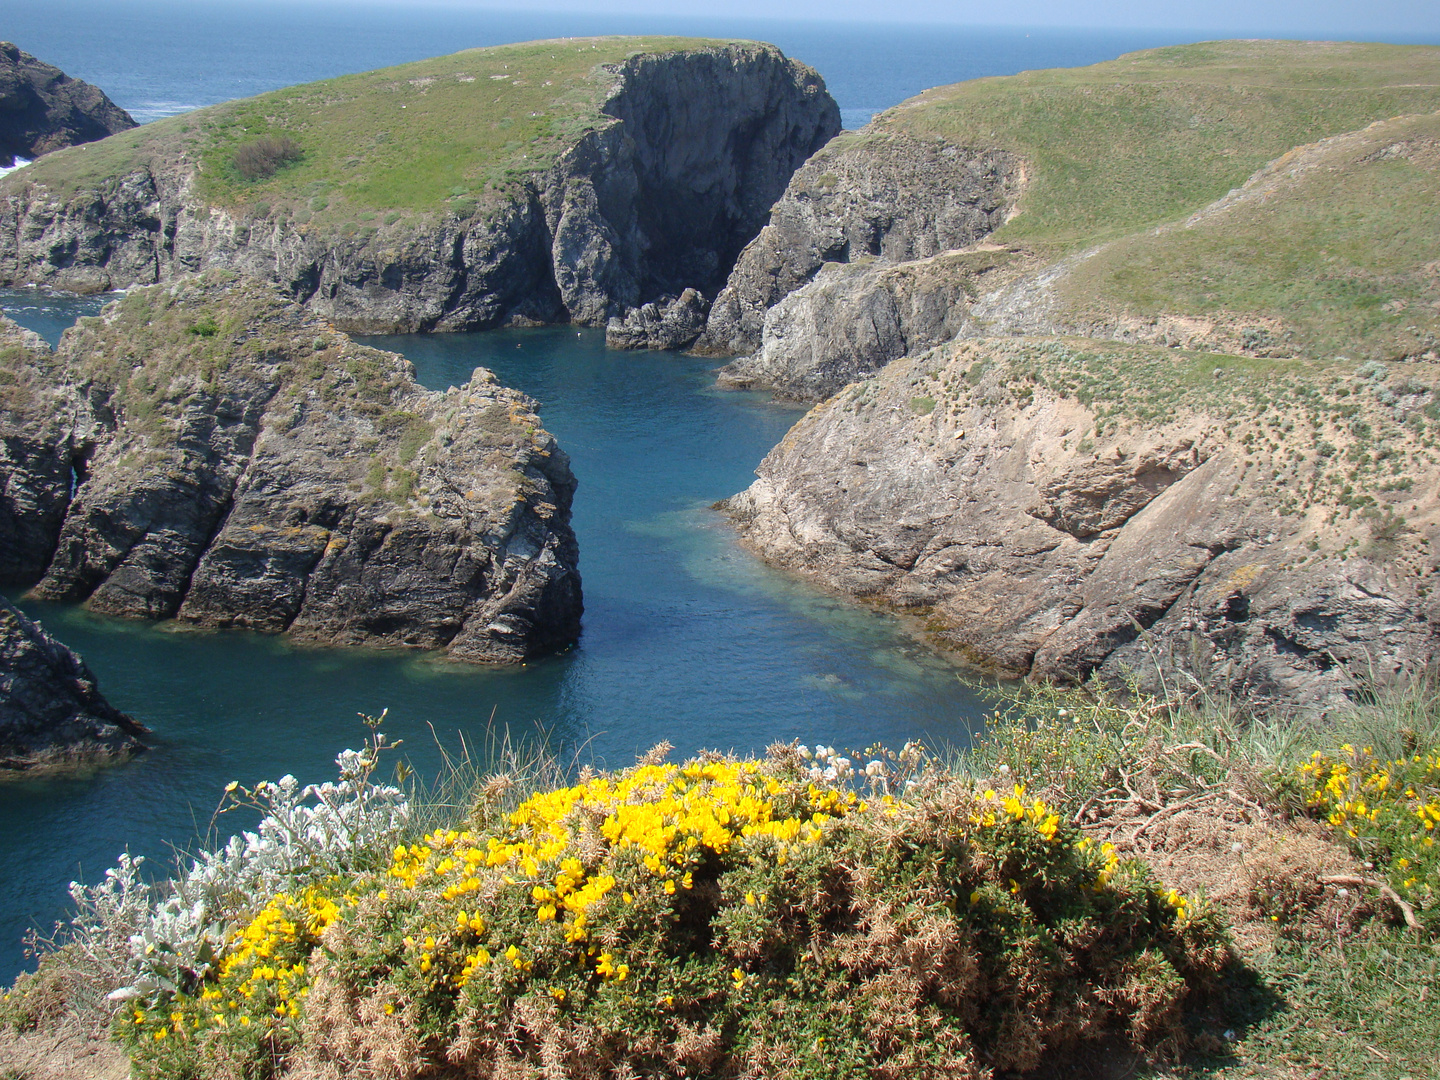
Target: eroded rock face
{"type": "Point", "coordinates": [51, 711]}
{"type": "Point", "coordinates": [43, 109]}
{"type": "Point", "coordinates": [851, 319]}
{"type": "Point", "coordinates": [890, 196]}
{"type": "Point", "coordinates": [240, 463]}
{"type": "Point", "coordinates": [967, 486]}
{"type": "Point", "coordinates": [38, 411]}
{"type": "Point", "coordinates": [659, 200]}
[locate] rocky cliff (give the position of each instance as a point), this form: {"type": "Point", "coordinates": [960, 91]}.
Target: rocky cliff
{"type": "Point", "coordinates": [51, 712]}
{"type": "Point", "coordinates": [1094, 201]}
{"type": "Point", "coordinates": [1061, 507]}
{"type": "Point", "coordinates": [43, 109]}
{"type": "Point", "coordinates": [877, 196]}
{"type": "Point", "coordinates": [219, 455]}
{"type": "Point", "coordinates": [556, 181]}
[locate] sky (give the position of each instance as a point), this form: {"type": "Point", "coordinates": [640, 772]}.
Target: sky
{"type": "Point", "coordinates": [1289, 18]}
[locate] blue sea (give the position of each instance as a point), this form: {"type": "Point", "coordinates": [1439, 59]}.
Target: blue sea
{"type": "Point", "coordinates": [686, 636]}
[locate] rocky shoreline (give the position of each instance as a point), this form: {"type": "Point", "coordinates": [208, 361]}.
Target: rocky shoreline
{"type": "Point", "coordinates": [218, 455]}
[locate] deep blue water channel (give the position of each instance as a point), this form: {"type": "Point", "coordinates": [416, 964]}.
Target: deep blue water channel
{"type": "Point", "coordinates": [686, 636]}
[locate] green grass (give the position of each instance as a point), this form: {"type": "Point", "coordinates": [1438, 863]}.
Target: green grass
{"type": "Point", "coordinates": [1155, 135]}
{"type": "Point", "coordinates": [1343, 256]}
{"type": "Point", "coordinates": [446, 134]}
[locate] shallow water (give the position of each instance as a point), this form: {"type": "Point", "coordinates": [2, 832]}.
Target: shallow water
{"type": "Point", "coordinates": [686, 636]}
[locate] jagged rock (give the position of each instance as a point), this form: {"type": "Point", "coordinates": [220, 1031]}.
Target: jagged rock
{"type": "Point", "coordinates": [853, 318]}
{"type": "Point", "coordinates": [51, 712]}
{"type": "Point", "coordinates": [672, 322]}
{"type": "Point", "coordinates": [43, 109]}
{"type": "Point", "coordinates": [656, 193]}
{"type": "Point", "coordinates": [890, 195]}
{"type": "Point", "coordinates": [240, 463]}
{"type": "Point", "coordinates": [37, 413]}
{"type": "Point", "coordinates": [968, 486]}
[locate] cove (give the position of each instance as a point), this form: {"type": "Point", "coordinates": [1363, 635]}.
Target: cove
{"type": "Point", "coordinates": [687, 637]}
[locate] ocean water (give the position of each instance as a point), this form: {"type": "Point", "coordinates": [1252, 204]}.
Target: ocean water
{"type": "Point", "coordinates": [158, 58]}
{"type": "Point", "coordinates": [686, 636]}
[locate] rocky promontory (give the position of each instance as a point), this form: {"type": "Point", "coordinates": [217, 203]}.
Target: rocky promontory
{"type": "Point", "coordinates": [42, 109]}
{"type": "Point", "coordinates": [1062, 202]}
{"type": "Point", "coordinates": [213, 453]}
{"type": "Point", "coordinates": [51, 712]}
{"type": "Point", "coordinates": [1061, 507]}
{"type": "Point", "coordinates": [573, 180]}
{"type": "Point", "coordinates": [1184, 429]}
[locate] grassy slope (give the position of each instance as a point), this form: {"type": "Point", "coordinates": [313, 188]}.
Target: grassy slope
{"type": "Point", "coordinates": [424, 137]}
{"type": "Point", "coordinates": [1343, 255]}
{"type": "Point", "coordinates": [1156, 135]}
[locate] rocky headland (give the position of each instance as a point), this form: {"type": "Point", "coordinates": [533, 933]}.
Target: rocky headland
{"type": "Point", "coordinates": [565, 181]}
{"type": "Point", "coordinates": [42, 109]}
{"type": "Point", "coordinates": [1185, 427]}
{"type": "Point", "coordinates": [211, 452]}
{"type": "Point", "coordinates": [52, 714]}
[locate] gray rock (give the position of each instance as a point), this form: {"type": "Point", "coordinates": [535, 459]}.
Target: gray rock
{"type": "Point", "coordinates": [43, 109]}
{"type": "Point", "coordinates": [888, 195]}
{"type": "Point", "coordinates": [954, 486]}
{"type": "Point", "coordinates": [240, 463]}
{"type": "Point", "coordinates": [672, 322]}
{"type": "Point", "coordinates": [659, 200]}
{"type": "Point", "coordinates": [37, 413]}
{"type": "Point", "coordinates": [852, 319]}
{"type": "Point", "coordinates": [51, 712]}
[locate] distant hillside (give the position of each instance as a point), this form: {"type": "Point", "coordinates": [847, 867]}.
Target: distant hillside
{"type": "Point", "coordinates": [568, 180]}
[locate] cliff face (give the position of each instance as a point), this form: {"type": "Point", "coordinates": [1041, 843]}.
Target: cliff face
{"type": "Point", "coordinates": [666, 183]}
{"type": "Point", "coordinates": [236, 462]}
{"type": "Point", "coordinates": [1059, 508]}
{"type": "Point", "coordinates": [51, 712]}
{"type": "Point", "coordinates": [889, 196]}
{"type": "Point", "coordinates": [43, 109]}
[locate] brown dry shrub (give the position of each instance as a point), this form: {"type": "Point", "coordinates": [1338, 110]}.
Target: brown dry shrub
{"type": "Point", "coordinates": [261, 158]}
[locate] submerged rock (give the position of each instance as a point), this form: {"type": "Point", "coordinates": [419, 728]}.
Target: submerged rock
{"type": "Point", "coordinates": [43, 109]}
{"type": "Point", "coordinates": [238, 462]}
{"type": "Point", "coordinates": [51, 711]}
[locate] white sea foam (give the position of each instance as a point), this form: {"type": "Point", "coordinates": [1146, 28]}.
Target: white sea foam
{"type": "Point", "coordinates": [20, 163]}
{"type": "Point", "coordinates": [147, 111]}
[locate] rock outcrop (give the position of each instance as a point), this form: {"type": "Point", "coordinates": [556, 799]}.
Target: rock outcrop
{"type": "Point", "coordinates": [664, 185]}
{"type": "Point", "coordinates": [43, 109]}
{"type": "Point", "coordinates": [51, 712]}
{"type": "Point", "coordinates": [237, 462]}
{"type": "Point", "coordinates": [851, 319]}
{"type": "Point", "coordinates": [887, 196]}
{"type": "Point", "coordinates": [1061, 508]}
{"type": "Point", "coordinates": [37, 413]}
{"type": "Point", "coordinates": [672, 322]}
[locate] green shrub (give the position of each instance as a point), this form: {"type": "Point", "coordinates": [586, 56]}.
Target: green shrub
{"type": "Point", "coordinates": [713, 919]}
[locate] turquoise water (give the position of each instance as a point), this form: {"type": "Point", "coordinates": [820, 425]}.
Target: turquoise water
{"type": "Point", "coordinates": [686, 636]}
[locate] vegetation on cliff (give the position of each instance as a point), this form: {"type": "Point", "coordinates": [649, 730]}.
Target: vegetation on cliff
{"type": "Point", "coordinates": [429, 137]}
{"type": "Point", "coordinates": [1169, 880]}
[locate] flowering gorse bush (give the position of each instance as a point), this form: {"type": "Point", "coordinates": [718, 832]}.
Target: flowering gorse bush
{"type": "Point", "coordinates": [719, 917]}
{"type": "Point", "coordinates": [1389, 812]}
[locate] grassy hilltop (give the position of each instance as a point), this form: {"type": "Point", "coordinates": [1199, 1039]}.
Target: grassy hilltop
{"type": "Point", "coordinates": [435, 135]}
{"type": "Point", "coordinates": [1139, 141]}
